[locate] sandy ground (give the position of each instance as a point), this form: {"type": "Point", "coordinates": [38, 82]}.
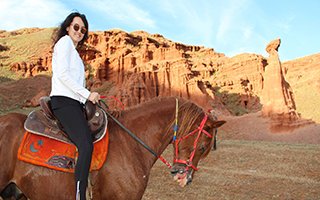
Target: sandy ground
{"type": "Point", "coordinates": [254, 127]}
{"type": "Point", "coordinates": [251, 162]}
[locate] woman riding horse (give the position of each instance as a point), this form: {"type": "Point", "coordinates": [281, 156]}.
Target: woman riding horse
{"type": "Point", "coordinates": [126, 171]}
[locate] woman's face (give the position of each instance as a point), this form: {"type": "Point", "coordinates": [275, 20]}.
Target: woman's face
{"type": "Point", "coordinates": [76, 30]}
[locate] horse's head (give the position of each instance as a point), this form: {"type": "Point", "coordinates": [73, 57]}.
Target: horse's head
{"type": "Point", "coordinates": [196, 136]}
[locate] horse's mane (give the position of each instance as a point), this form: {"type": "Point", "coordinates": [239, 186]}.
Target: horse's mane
{"type": "Point", "coordinates": [188, 113]}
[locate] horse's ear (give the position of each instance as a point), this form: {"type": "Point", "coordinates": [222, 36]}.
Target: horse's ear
{"type": "Point", "coordinates": [218, 123]}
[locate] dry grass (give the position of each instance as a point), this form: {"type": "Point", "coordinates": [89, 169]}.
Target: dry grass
{"type": "Point", "coordinates": [26, 47]}
{"type": "Point", "coordinates": [246, 170]}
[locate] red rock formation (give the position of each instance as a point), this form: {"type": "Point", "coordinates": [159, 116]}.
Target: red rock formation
{"type": "Point", "coordinates": [34, 101]}
{"type": "Point", "coordinates": [138, 66]}
{"type": "Point", "coordinates": [151, 65]}
{"type": "Point", "coordinates": [30, 69]}
{"type": "Point", "coordinates": [165, 68]}
{"type": "Point", "coordinates": [3, 48]}
{"type": "Point", "coordinates": [303, 74]}
{"type": "Point", "coordinates": [277, 94]}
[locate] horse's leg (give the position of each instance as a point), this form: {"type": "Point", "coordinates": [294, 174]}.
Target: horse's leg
{"type": "Point", "coordinates": [12, 190]}
{"type": "Point", "coordinates": [39, 183]}
{"type": "Point", "coordinates": [11, 133]}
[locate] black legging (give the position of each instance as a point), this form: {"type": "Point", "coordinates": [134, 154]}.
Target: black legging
{"type": "Point", "coordinates": [70, 114]}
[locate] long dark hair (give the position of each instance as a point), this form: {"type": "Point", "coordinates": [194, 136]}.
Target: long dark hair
{"type": "Point", "coordinates": [62, 29]}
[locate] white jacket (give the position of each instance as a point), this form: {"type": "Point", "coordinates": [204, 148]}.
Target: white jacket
{"type": "Point", "coordinates": [68, 72]}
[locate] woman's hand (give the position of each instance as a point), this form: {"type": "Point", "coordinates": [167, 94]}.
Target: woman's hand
{"type": "Point", "coordinates": [94, 97]}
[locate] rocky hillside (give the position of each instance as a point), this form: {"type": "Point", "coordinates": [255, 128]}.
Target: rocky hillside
{"type": "Point", "coordinates": [138, 66]}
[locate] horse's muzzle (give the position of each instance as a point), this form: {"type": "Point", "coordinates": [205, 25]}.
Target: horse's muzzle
{"type": "Point", "coordinates": [181, 174]}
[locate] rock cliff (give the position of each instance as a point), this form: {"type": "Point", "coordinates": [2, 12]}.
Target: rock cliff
{"type": "Point", "coordinates": [140, 66]}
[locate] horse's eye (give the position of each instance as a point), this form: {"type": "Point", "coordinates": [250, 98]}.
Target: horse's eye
{"type": "Point", "coordinates": [202, 148]}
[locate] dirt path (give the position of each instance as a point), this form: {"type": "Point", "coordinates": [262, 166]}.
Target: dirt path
{"type": "Point", "coordinates": [245, 170]}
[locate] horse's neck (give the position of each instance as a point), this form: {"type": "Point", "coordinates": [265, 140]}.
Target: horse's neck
{"type": "Point", "coordinates": [150, 123]}
{"type": "Point", "coordinates": [161, 116]}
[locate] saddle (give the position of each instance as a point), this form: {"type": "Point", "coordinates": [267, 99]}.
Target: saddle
{"type": "Point", "coordinates": [43, 122]}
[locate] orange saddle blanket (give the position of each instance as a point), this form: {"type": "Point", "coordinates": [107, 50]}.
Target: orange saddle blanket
{"type": "Point", "coordinates": [47, 152]}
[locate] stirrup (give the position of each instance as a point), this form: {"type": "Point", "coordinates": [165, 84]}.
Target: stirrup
{"type": "Point", "coordinates": [78, 191]}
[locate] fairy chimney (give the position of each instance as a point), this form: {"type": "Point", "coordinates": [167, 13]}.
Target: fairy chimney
{"type": "Point", "coordinates": [277, 95]}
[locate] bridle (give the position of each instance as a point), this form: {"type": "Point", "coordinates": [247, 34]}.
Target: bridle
{"type": "Point", "coordinates": [188, 162]}
{"type": "Point", "coordinates": [200, 131]}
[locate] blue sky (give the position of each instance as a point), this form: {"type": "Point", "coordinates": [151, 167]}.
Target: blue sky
{"type": "Point", "coordinates": [230, 26]}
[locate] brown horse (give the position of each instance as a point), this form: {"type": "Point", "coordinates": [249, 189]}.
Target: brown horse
{"type": "Point", "coordinates": [126, 172]}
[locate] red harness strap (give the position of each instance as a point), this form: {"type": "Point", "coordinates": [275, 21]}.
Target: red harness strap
{"type": "Point", "coordinates": [195, 143]}
{"type": "Point", "coordinates": [188, 163]}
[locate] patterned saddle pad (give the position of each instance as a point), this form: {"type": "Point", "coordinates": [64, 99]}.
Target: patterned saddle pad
{"type": "Point", "coordinates": [44, 151]}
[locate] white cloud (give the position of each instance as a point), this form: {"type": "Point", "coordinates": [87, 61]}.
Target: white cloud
{"type": "Point", "coordinates": [285, 24]}
{"type": "Point", "coordinates": [169, 7]}
{"type": "Point", "coordinates": [230, 17]}
{"type": "Point", "coordinates": [16, 14]}
{"type": "Point", "coordinates": [190, 22]}
{"type": "Point", "coordinates": [125, 11]}
{"type": "Point", "coordinates": [247, 33]}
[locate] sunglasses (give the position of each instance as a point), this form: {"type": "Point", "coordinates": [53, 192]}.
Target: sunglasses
{"type": "Point", "coordinates": [76, 27]}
